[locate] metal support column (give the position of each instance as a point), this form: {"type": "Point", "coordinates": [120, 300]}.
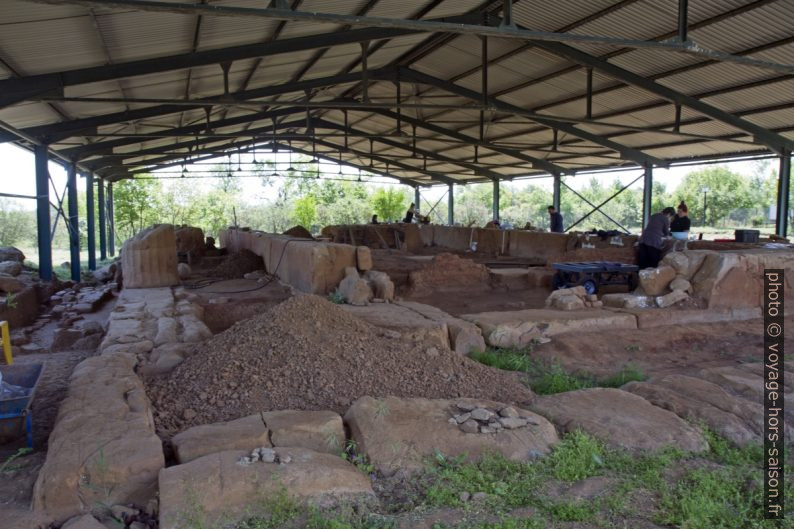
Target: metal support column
{"type": "Point", "coordinates": [647, 195]}
{"type": "Point", "coordinates": [496, 200]}
{"type": "Point", "coordinates": [89, 219]}
{"type": "Point", "coordinates": [683, 14]}
{"type": "Point", "coordinates": [783, 190]}
{"type": "Point", "coordinates": [111, 222]}
{"type": "Point", "coordinates": [103, 230]}
{"type": "Point", "coordinates": [451, 205]}
{"type": "Point", "coordinates": [73, 226]}
{"type": "Point", "coordinates": [555, 199]}
{"type": "Point", "coordinates": [43, 212]}
{"type": "Point", "coordinates": [417, 199]}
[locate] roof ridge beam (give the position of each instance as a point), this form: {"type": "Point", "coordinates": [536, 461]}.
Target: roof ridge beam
{"type": "Point", "coordinates": [625, 151]}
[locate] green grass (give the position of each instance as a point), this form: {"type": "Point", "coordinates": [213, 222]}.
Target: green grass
{"type": "Point", "coordinates": [508, 359]}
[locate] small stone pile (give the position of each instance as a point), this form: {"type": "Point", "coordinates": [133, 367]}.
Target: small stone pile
{"type": "Point", "coordinates": [660, 287]}
{"type": "Point", "coordinates": [265, 455]}
{"type": "Point", "coordinates": [471, 418]}
{"type": "Point", "coordinates": [574, 298]}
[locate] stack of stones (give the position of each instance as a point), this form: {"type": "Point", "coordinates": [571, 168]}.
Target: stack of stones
{"type": "Point", "coordinates": [265, 455]}
{"type": "Point", "coordinates": [471, 418]}
{"type": "Point", "coordinates": [574, 298]}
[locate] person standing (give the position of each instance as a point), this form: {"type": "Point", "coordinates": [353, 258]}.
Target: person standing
{"type": "Point", "coordinates": [681, 222]}
{"type": "Point", "coordinates": [652, 239]}
{"type": "Point", "coordinates": [409, 215]}
{"type": "Point", "coordinates": [555, 220]}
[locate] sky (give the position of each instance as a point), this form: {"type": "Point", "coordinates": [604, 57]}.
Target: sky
{"type": "Point", "coordinates": [17, 176]}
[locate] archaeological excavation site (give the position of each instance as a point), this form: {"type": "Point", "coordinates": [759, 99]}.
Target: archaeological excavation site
{"type": "Point", "coordinates": [433, 264]}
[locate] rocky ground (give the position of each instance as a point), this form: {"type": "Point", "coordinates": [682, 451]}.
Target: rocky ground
{"type": "Point", "coordinates": [307, 353]}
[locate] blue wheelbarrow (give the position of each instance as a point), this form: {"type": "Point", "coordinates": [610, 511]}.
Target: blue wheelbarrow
{"type": "Point", "coordinates": [594, 274]}
{"type": "Point", "coordinates": [16, 417]}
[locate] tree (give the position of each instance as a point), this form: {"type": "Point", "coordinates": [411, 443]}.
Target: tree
{"type": "Point", "coordinates": [725, 191]}
{"type": "Point", "coordinates": [389, 203]}
{"type": "Point", "coordinates": [16, 224]}
{"type": "Point", "coordinates": [136, 206]}
{"type": "Point", "coordinates": [305, 211]}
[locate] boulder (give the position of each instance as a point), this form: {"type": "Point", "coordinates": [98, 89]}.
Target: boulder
{"type": "Point", "coordinates": [218, 489]}
{"type": "Point", "coordinates": [678, 260]}
{"type": "Point", "coordinates": [10, 284]}
{"type": "Point", "coordinates": [85, 521]}
{"type": "Point", "coordinates": [106, 273]}
{"type": "Point", "coordinates": [149, 258]}
{"type": "Point", "coordinates": [398, 434]}
{"type": "Point", "coordinates": [381, 284]}
{"type": "Point", "coordinates": [65, 338]}
{"type": "Point", "coordinates": [670, 299]}
{"type": "Point", "coordinates": [103, 449]}
{"type": "Point", "coordinates": [11, 268]}
{"type": "Point", "coordinates": [190, 240]}
{"type": "Point", "coordinates": [183, 270]}
{"type": "Point", "coordinates": [680, 283]}
{"type": "Point", "coordinates": [363, 258]}
{"type": "Point", "coordinates": [321, 431]}
{"type": "Point", "coordinates": [654, 281]}
{"type": "Point", "coordinates": [9, 253]}
{"type": "Point", "coordinates": [619, 418]}
{"type": "Point", "coordinates": [577, 291]}
{"type": "Point", "coordinates": [694, 399]}
{"type": "Point", "coordinates": [623, 300]}
{"type": "Point", "coordinates": [411, 325]}
{"type": "Point", "coordinates": [354, 289]}
{"type": "Point", "coordinates": [568, 303]}
{"type": "Point", "coordinates": [246, 433]}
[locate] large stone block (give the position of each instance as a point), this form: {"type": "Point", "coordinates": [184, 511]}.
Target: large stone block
{"type": "Point", "coordinates": [619, 418]}
{"type": "Point", "coordinates": [321, 431]}
{"type": "Point", "coordinates": [398, 434]}
{"type": "Point", "coordinates": [654, 281]}
{"type": "Point", "coordinates": [410, 324]}
{"type": "Point", "coordinates": [149, 258]}
{"type": "Point", "coordinates": [464, 337]}
{"type": "Point", "coordinates": [246, 433]}
{"type": "Point", "coordinates": [216, 490]}
{"type": "Point", "coordinates": [103, 449]}
{"type": "Point", "coordinates": [190, 240]}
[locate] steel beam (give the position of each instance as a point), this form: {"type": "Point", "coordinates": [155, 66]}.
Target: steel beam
{"type": "Point", "coordinates": [451, 204]}
{"type": "Point", "coordinates": [647, 195]}
{"type": "Point", "coordinates": [62, 130]}
{"type": "Point", "coordinates": [626, 152]}
{"type": "Point", "coordinates": [496, 198]}
{"type": "Point", "coordinates": [537, 163]}
{"type": "Point", "coordinates": [73, 225]}
{"type": "Point", "coordinates": [421, 26]}
{"type": "Point", "coordinates": [555, 201]}
{"type": "Point", "coordinates": [111, 222]}
{"type": "Point", "coordinates": [783, 191]}
{"type": "Point", "coordinates": [89, 217]}
{"type": "Point", "coordinates": [103, 246]}
{"type": "Point", "coordinates": [17, 89]}
{"type": "Point", "coordinates": [417, 199]}
{"type": "Point", "coordinates": [762, 135]}
{"type": "Point", "coordinates": [43, 212]}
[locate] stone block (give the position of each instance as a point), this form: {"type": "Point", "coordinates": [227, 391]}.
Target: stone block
{"type": "Point", "coordinates": [149, 258]}
{"type": "Point", "coordinates": [655, 281]}
{"type": "Point", "coordinates": [246, 433]}
{"type": "Point", "coordinates": [321, 431]}
{"type": "Point", "coordinates": [363, 258]}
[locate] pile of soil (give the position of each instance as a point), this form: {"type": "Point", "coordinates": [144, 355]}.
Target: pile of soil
{"type": "Point", "coordinates": [238, 264]}
{"type": "Point", "coordinates": [299, 232]}
{"type": "Point", "coordinates": [309, 354]}
{"type": "Point", "coordinates": [447, 272]}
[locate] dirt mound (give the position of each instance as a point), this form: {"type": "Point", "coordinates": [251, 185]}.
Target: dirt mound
{"type": "Point", "coordinates": [299, 232]}
{"type": "Point", "coordinates": [449, 272]}
{"type": "Point", "coordinates": [309, 354]}
{"type": "Point", "coordinates": [238, 264]}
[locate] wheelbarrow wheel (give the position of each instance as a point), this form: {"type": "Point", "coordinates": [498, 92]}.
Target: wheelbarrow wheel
{"type": "Point", "coordinates": [590, 286]}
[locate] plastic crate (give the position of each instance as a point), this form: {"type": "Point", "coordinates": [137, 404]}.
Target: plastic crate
{"type": "Point", "coordinates": [746, 235]}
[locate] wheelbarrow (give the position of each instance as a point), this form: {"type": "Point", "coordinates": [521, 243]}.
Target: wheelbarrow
{"type": "Point", "coordinates": [593, 275]}
{"type": "Point", "coordinates": [16, 417]}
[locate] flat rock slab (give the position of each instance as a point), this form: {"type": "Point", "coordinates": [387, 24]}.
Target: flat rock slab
{"type": "Point", "coordinates": [321, 431]}
{"type": "Point", "coordinates": [518, 328]}
{"type": "Point", "coordinates": [410, 324]}
{"type": "Point", "coordinates": [655, 317]}
{"type": "Point", "coordinates": [694, 399]}
{"type": "Point", "coordinates": [464, 336]}
{"type": "Point", "coordinates": [103, 449]}
{"type": "Point", "coordinates": [399, 434]}
{"type": "Point", "coordinates": [216, 489]}
{"type": "Point", "coordinates": [620, 419]}
{"type": "Point", "coordinates": [246, 433]}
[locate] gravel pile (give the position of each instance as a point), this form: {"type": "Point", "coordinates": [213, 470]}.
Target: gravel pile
{"type": "Point", "coordinates": [238, 264]}
{"type": "Point", "coordinates": [308, 354]}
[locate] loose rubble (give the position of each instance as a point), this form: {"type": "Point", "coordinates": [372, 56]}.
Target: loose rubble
{"type": "Point", "coordinates": [474, 419]}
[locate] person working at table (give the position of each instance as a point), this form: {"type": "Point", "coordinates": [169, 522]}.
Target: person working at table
{"type": "Point", "coordinates": [652, 240]}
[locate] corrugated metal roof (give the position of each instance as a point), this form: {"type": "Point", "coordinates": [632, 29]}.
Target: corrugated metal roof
{"type": "Point", "coordinates": [38, 39]}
